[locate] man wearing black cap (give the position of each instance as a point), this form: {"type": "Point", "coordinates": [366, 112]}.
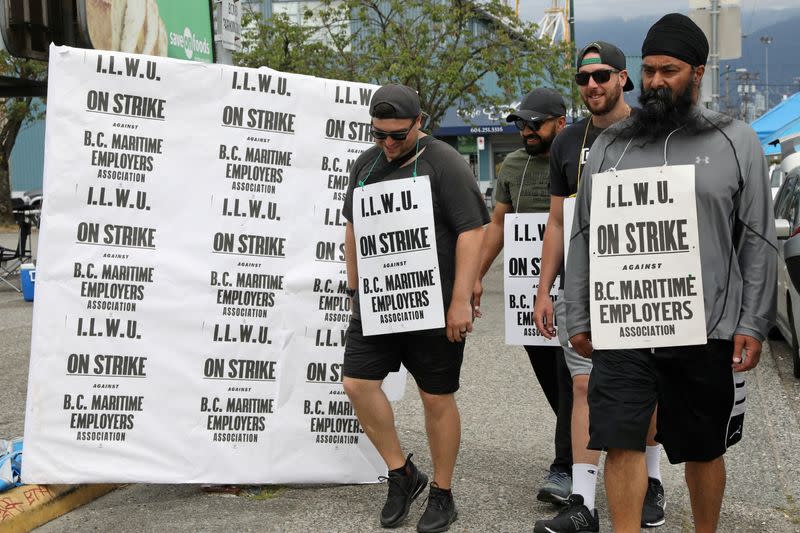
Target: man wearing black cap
{"type": "Point", "coordinates": [602, 78]}
{"type": "Point", "coordinates": [699, 389]}
{"type": "Point", "coordinates": [522, 187]}
{"type": "Point", "coordinates": [433, 357]}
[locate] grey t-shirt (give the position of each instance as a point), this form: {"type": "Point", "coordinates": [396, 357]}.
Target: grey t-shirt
{"type": "Point", "coordinates": [738, 260]}
{"type": "Point", "coordinates": [458, 205]}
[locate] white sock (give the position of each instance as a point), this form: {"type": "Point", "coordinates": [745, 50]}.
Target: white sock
{"type": "Point", "coordinates": [584, 482]}
{"type": "Point", "coordinates": [653, 455]}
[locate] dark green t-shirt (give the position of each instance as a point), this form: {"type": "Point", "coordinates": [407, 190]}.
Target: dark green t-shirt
{"type": "Point", "coordinates": [535, 197]}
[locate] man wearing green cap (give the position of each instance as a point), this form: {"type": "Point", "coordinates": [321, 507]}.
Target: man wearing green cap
{"type": "Point", "coordinates": [601, 78]}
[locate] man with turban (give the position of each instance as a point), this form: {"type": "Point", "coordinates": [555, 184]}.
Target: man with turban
{"type": "Point", "coordinates": [699, 387]}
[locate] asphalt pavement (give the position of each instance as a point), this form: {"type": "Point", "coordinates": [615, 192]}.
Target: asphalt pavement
{"type": "Point", "coordinates": [507, 444]}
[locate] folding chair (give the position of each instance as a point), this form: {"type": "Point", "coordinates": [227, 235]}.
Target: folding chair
{"type": "Point", "coordinates": [12, 259]}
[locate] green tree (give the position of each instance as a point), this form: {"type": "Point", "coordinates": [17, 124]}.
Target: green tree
{"type": "Point", "coordinates": [455, 53]}
{"type": "Point", "coordinates": [15, 111]}
{"type": "Point", "coordinates": [277, 43]}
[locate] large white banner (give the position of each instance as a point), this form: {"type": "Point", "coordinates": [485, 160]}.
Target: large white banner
{"type": "Point", "coordinates": [646, 286]}
{"type": "Point", "coordinates": [400, 287]}
{"type": "Point", "coordinates": [523, 235]}
{"type": "Point", "coordinates": [190, 309]}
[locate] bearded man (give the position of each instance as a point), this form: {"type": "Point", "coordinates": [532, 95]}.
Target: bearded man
{"type": "Point", "coordinates": [522, 187]}
{"type": "Point", "coordinates": [699, 388]}
{"type": "Point", "coordinates": [601, 77]}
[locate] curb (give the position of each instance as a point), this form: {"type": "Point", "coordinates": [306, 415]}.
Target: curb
{"type": "Point", "coordinates": [29, 506]}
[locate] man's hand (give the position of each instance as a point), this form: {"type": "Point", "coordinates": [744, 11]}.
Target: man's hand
{"type": "Point", "coordinates": [582, 343]}
{"type": "Point", "coordinates": [459, 321]}
{"type": "Point", "coordinates": [752, 353]}
{"type": "Point", "coordinates": [477, 292]}
{"type": "Point", "coordinates": [543, 316]}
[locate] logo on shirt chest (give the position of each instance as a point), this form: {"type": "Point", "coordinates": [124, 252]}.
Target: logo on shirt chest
{"type": "Point", "coordinates": [702, 160]}
{"type": "Point", "coordinates": [585, 155]}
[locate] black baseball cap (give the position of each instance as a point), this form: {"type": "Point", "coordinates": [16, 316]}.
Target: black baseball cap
{"type": "Point", "coordinates": [538, 104]}
{"type": "Point", "coordinates": [403, 99]}
{"type": "Point", "coordinates": [609, 55]}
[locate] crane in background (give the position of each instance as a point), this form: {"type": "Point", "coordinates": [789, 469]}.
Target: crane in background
{"type": "Point", "coordinates": [556, 23]}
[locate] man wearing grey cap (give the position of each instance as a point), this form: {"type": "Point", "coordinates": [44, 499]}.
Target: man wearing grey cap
{"type": "Point", "coordinates": [699, 388]}
{"type": "Point", "coordinates": [601, 78]}
{"type": "Point", "coordinates": [522, 187]}
{"type": "Point", "coordinates": [434, 356]}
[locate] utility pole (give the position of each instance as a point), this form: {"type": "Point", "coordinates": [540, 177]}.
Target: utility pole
{"type": "Point", "coordinates": [745, 88]}
{"type": "Point", "coordinates": [573, 52]}
{"type": "Point", "coordinates": [714, 55]}
{"type": "Point", "coordinates": [766, 40]}
{"type": "Point", "coordinates": [728, 106]}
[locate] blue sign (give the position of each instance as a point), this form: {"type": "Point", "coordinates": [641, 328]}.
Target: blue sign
{"type": "Point", "coordinates": [479, 123]}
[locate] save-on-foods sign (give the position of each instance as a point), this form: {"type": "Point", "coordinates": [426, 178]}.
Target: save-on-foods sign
{"type": "Point", "coordinates": [170, 28]}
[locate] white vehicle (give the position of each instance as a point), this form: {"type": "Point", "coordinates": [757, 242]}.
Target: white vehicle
{"type": "Point", "coordinates": [776, 176]}
{"type": "Point", "coordinates": [790, 153]}
{"type": "Point", "coordinates": [787, 225]}
{"type": "Point", "coordinates": [790, 159]}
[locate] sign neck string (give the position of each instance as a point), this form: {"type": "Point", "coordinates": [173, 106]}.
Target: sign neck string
{"type": "Point", "coordinates": [521, 183]}
{"type": "Point", "coordinates": [580, 152]}
{"type": "Point", "coordinates": [363, 182]}
{"type": "Point", "coordinates": [666, 142]}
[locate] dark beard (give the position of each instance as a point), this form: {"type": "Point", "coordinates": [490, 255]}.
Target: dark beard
{"type": "Point", "coordinates": [536, 149]}
{"type": "Point", "coordinates": [663, 111]}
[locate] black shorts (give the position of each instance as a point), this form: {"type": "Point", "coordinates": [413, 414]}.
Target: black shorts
{"type": "Point", "coordinates": [434, 361]}
{"type": "Point", "coordinates": [701, 401]}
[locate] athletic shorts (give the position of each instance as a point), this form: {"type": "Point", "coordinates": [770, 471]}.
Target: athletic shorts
{"type": "Point", "coordinates": [578, 366]}
{"type": "Point", "coordinates": [701, 401]}
{"type": "Point", "coordinates": [434, 361]}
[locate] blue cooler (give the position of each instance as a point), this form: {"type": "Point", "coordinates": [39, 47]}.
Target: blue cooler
{"type": "Point", "coordinates": [27, 277]}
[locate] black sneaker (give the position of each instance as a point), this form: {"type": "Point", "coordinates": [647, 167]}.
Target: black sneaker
{"type": "Point", "coordinates": [574, 518]}
{"type": "Point", "coordinates": [654, 504]}
{"type": "Point", "coordinates": [403, 489]}
{"type": "Point", "coordinates": [440, 512]}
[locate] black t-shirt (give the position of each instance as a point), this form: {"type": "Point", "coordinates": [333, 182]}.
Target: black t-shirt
{"type": "Point", "coordinates": [458, 205]}
{"type": "Point", "coordinates": [568, 153]}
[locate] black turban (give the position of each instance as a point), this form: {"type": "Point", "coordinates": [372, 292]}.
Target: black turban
{"type": "Point", "coordinates": [677, 36]}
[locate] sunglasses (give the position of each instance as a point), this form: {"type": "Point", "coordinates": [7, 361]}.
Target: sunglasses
{"type": "Point", "coordinates": [396, 135]}
{"type": "Point", "coordinates": [534, 125]}
{"type": "Point", "coordinates": [599, 76]}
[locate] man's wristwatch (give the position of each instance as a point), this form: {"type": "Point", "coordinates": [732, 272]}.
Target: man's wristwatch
{"type": "Point", "coordinates": [350, 291]}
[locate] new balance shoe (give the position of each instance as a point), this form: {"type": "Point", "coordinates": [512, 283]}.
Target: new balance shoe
{"type": "Point", "coordinates": [654, 504]}
{"type": "Point", "coordinates": [574, 518]}
{"type": "Point", "coordinates": [403, 489]}
{"type": "Point", "coordinates": [440, 512]}
{"type": "Point", "coordinates": [556, 489]}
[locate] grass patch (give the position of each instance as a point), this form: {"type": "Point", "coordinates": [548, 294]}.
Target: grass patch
{"type": "Point", "coordinates": [790, 511]}
{"type": "Point", "coordinates": [262, 492]}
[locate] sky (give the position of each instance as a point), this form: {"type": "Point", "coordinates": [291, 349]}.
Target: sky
{"type": "Point", "coordinates": [533, 10]}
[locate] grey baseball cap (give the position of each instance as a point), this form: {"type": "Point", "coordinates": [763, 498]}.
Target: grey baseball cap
{"type": "Point", "coordinates": [538, 104]}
